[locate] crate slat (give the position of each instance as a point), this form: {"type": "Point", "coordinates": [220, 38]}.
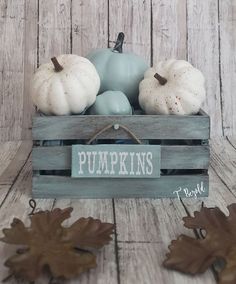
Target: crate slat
{"type": "Point", "coordinates": [66, 187]}
{"type": "Point", "coordinates": [172, 157]}
{"type": "Point", "coordinates": [144, 126]}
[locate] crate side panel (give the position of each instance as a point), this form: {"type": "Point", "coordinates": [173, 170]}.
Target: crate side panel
{"type": "Point", "coordinates": [143, 126]}
{"type": "Point", "coordinates": [166, 186]}
{"type": "Point", "coordinates": [172, 157]}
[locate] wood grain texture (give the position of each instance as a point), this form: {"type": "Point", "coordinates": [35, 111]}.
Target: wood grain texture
{"type": "Point", "coordinates": [172, 157]}
{"type": "Point", "coordinates": [106, 270]}
{"type": "Point", "coordinates": [227, 37]}
{"type": "Point", "coordinates": [12, 22]}
{"type": "Point", "coordinates": [134, 19]}
{"type": "Point", "coordinates": [223, 160]}
{"type": "Point", "coordinates": [203, 53]}
{"type": "Point", "coordinates": [45, 186]}
{"type": "Point", "coordinates": [54, 29]}
{"type": "Point", "coordinates": [13, 160]}
{"type": "Point", "coordinates": [16, 205]}
{"type": "Point", "coordinates": [142, 263]}
{"type": "Point", "coordinates": [30, 64]}
{"type": "Point", "coordinates": [89, 25]}
{"type": "Point", "coordinates": [144, 127]}
{"type": "Point", "coordinates": [169, 31]}
{"type": "Point", "coordinates": [7, 153]}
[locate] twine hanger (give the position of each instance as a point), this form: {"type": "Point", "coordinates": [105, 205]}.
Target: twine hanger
{"type": "Point", "coordinates": [115, 127]}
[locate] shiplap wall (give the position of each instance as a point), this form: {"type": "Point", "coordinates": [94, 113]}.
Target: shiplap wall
{"type": "Point", "coordinates": [201, 31]}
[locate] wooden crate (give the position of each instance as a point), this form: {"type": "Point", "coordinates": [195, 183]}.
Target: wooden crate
{"type": "Point", "coordinates": [184, 156]}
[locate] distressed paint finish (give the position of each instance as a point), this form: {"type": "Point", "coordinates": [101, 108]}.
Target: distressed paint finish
{"type": "Point", "coordinates": [144, 127]}
{"type": "Point", "coordinates": [166, 186]}
{"type": "Point", "coordinates": [172, 157]}
{"type": "Point", "coordinates": [116, 161]}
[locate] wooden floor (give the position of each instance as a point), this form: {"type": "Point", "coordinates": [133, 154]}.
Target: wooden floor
{"type": "Point", "coordinates": [144, 227]}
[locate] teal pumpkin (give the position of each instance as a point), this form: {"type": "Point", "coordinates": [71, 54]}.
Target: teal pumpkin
{"type": "Point", "coordinates": [111, 103]}
{"type": "Point", "coordinates": [119, 71]}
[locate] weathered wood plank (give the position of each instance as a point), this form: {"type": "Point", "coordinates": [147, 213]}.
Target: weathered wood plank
{"type": "Point", "coordinates": [172, 157]}
{"type": "Point", "coordinates": [16, 164]}
{"type": "Point", "coordinates": [7, 153]}
{"type": "Point", "coordinates": [203, 53]}
{"type": "Point", "coordinates": [144, 127]}
{"type": "Point", "coordinates": [54, 29]}
{"type": "Point", "coordinates": [89, 25]}
{"type": "Point", "coordinates": [12, 22]}
{"type": "Point", "coordinates": [30, 64]}
{"type": "Point", "coordinates": [166, 186]}
{"type": "Point", "coordinates": [143, 241]}
{"type": "Point", "coordinates": [106, 271]}
{"type": "Point", "coordinates": [169, 30]}
{"type": "Point", "coordinates": [16, 205]}
{"type": "Point", "coordinates": [14, 158]}
{"type": "Point", "coordinates": [134, 19]}
{"type": "Point", "coordinates": [227, 37]}
{"type": "Point", "coordinates": [223, 160]}
{"type": "Point", "coordinates": [142, 263]}
{"type": "Point", "coordinates": [219, 195]}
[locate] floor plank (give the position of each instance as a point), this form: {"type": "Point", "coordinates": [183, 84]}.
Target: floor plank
{"type": "Point", "coordinates": [7, 153]}
{"type": "Point", "coordinates": [13, 156]}
{"type": "Point", "coordinates": [142, 263]}
{"type": "Point", "coordinates": [145, 228]}
{"type": "Point", "coordinates": [16, 205]}
{"type": "Point", "coordinates": [106, 270]}
{"type": "Point", "coordinates": [223, 160]}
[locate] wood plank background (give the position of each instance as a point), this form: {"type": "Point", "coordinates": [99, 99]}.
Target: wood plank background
{"type": "Point", "coordinates": [201, 31]}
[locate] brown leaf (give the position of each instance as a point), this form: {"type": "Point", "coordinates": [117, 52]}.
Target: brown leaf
{"type": "Point", "coordinates": [88, 232]}
{"type": "Point", "coordinates": [193, 256]}
{"type": "Point", "coordinates": [50, 244]}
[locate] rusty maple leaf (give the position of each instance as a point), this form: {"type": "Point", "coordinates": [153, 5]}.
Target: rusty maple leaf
{"type": "Point", "coordinates": [194, 256]}
{"type": "Point", "coordinates": [48, 244]}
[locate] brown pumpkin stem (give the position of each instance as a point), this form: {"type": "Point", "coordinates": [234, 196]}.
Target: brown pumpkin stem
{"type": "Point", "coordinates": [161, 79]}
{"type": "Point", "coordinates": [57, 65]}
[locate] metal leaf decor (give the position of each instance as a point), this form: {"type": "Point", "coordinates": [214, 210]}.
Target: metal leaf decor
{"type": "Point", "coordinates": [48, 244]}
{"type": "Point", "coordinates": [194, 256]}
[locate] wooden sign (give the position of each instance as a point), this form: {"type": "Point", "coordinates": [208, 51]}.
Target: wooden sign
{"type": "Point", "coordinates": [116, 161]}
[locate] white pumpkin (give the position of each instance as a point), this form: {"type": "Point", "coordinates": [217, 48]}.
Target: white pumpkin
{"type": "Point", "coordinates": [174, 87]}
{"type": "Point", "coordinates": [67, 85]}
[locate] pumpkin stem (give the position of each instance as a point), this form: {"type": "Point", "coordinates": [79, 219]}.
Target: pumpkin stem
{"type": "Point", "coordinates": [119, 43]}
{"type": "Point", "coordinates": [57, 65]}
{"type": "Point", "coordinates": [160, 79]}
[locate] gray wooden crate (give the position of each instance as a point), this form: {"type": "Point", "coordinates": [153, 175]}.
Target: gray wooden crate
{"type": "Point", "coordinates": [184, 156]}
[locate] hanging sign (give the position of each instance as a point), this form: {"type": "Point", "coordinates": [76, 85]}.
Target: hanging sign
{"type": "Point", "coordinates": [116, 161]}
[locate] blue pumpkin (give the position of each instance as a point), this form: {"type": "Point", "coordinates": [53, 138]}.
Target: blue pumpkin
{"type": "Point", "coordinates": [119, 71]}
{"type": "Point", "coordinates": [111, 103]}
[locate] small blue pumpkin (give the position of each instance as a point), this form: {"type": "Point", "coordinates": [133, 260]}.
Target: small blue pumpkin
{"type": "Point", "coordinates": [119, 71]}
{"type": "Point", "coordinates": [111, 103]}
